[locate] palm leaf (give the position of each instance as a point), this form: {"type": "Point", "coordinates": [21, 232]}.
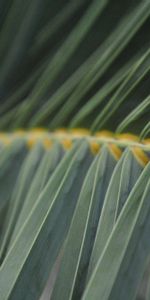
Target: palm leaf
{"type": "Point", "coordinates": [74, 202]}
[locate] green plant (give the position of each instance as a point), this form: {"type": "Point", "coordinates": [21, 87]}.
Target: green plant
{"type": "Point", "coordinates": [74, 149]}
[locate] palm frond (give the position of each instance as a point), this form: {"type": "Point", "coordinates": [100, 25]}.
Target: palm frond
{"type": "Point", "coordinates": [74, 149]}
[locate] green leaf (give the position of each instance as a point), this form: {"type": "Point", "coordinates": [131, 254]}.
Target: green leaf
{"type": "Point", "coordinates": [145, 131]}
{"type": "Point", "coordinates": [135, 114]}
{"type": "Point", "coordinates": [122, 181]}
{"type": "Point", "coordinates": [78, 246]}
{"type": "Point", "coordinates": [19, 194]}
{"type": "Point", "coordinates": [140, 69]}
{"type": "Point", "coordinates": [124, 249]}
{"type": "Point", "coordinates": [11, 159]}
{"type": "Point", "coordinates": [48, 164]}
{"type": "Point", "coordinates": [45, 229]}
{"type": "Point", "coordinates": [105, 55]}
{"type": "Point", "coordinates": [63, 54]}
